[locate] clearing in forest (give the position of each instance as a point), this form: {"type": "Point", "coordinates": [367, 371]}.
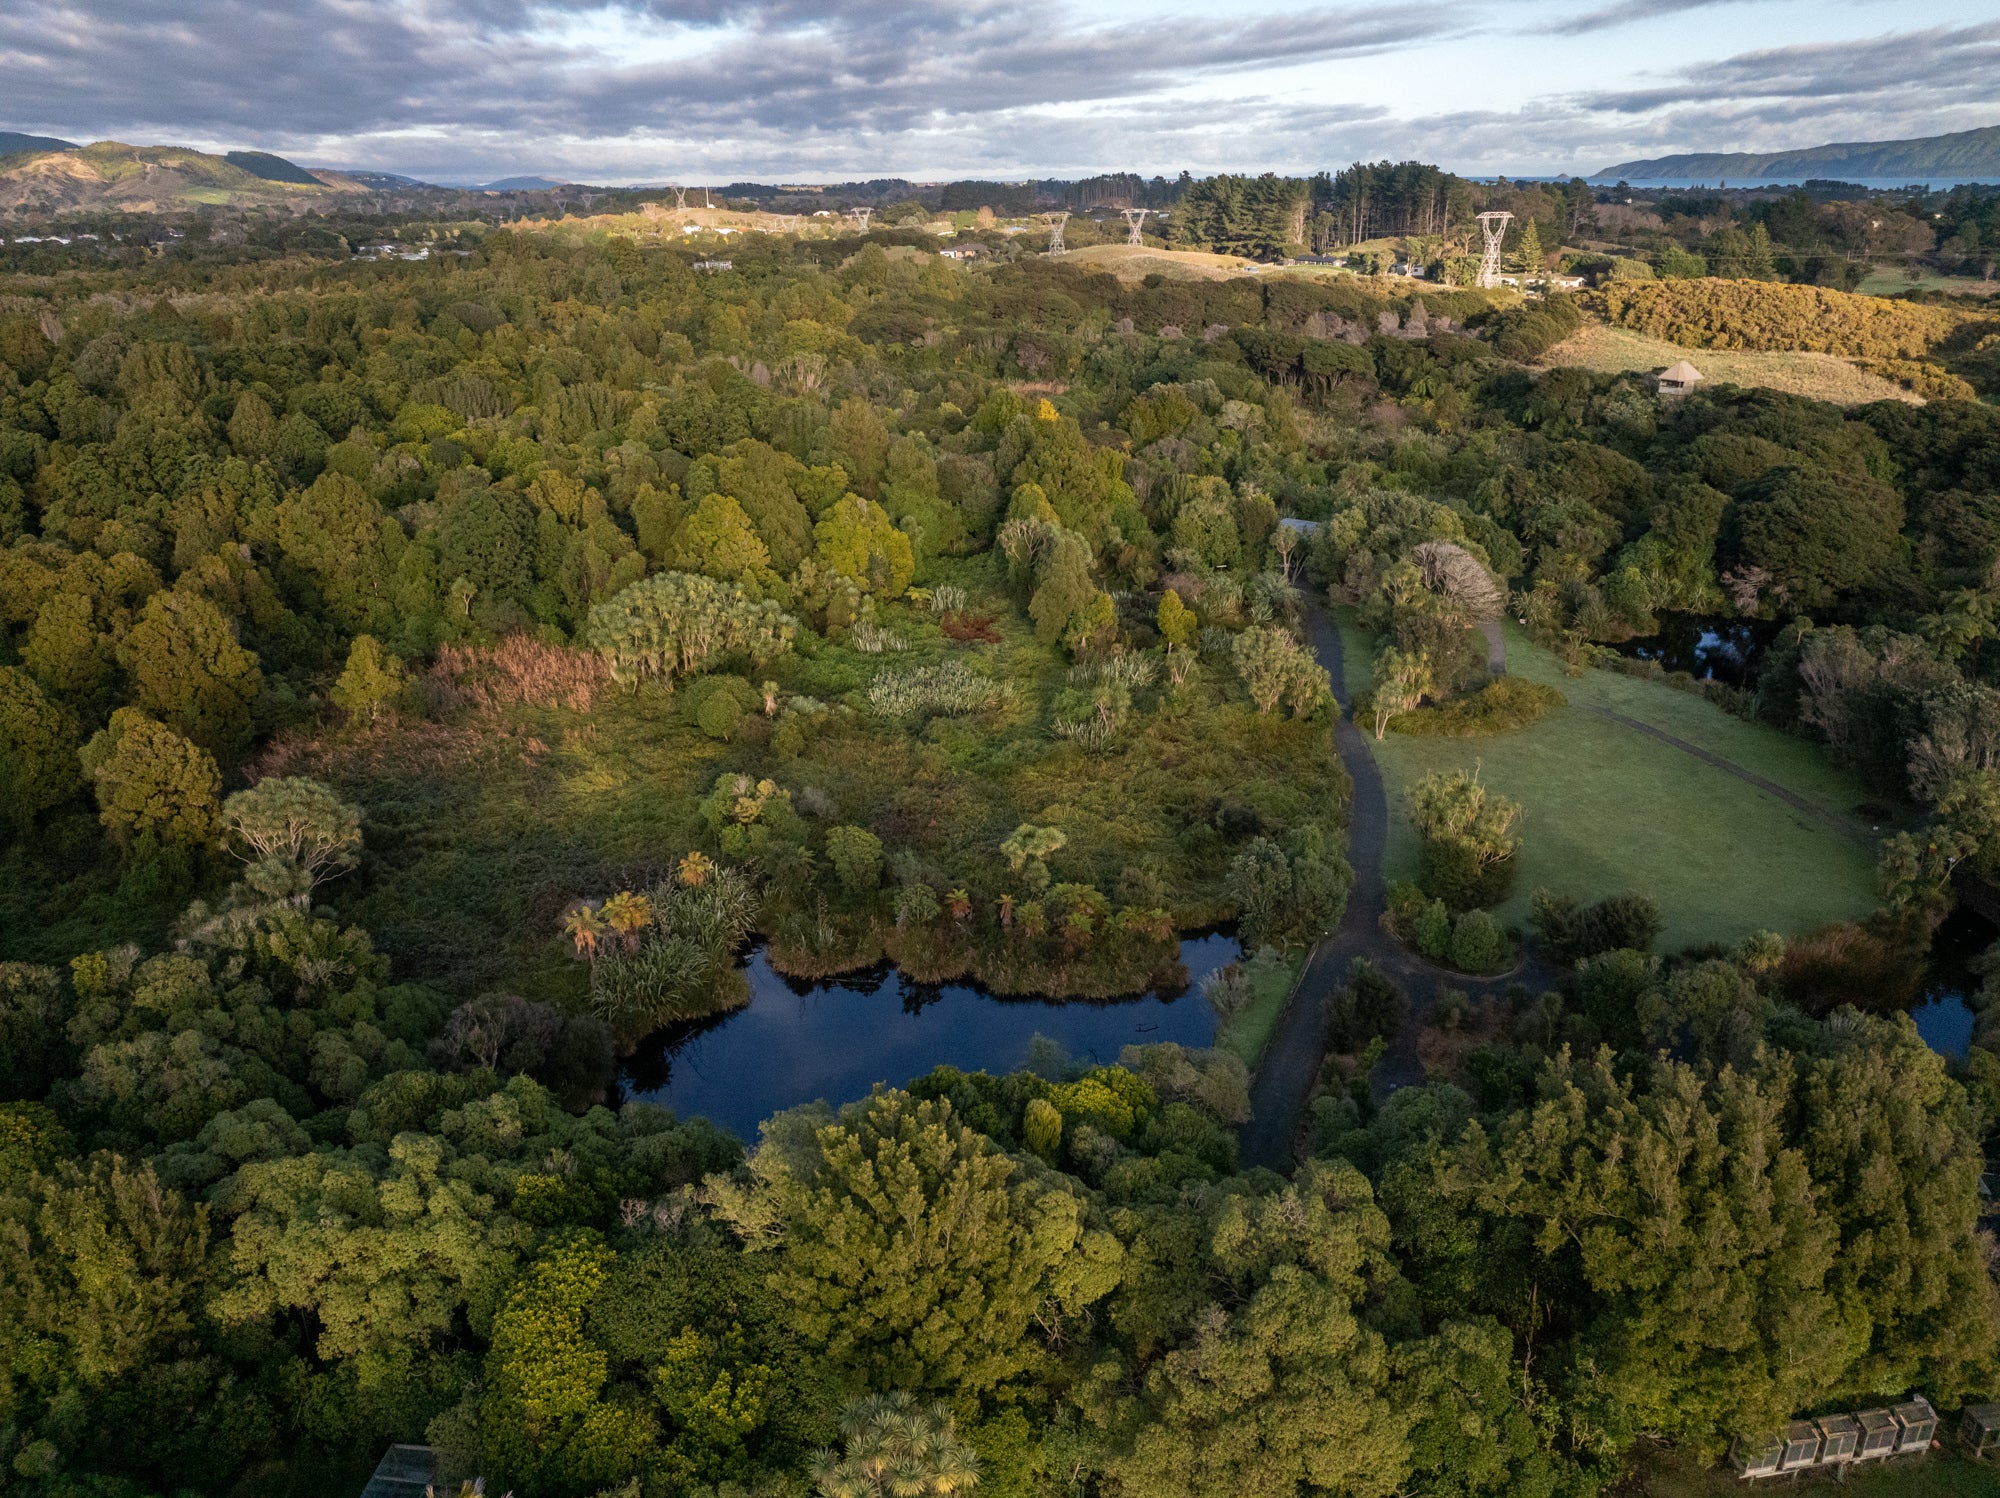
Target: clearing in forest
{"type": "Point", "coordinates": [1610, 807]}
{"type": "Point", "coordinates": [1817, 376]}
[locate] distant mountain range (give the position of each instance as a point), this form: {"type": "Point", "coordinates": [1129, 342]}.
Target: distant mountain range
{"type": "Point", "coordinates": [1962, 156]}
{"type": "Point", "coordinates": [12, 142]}
{"type": "Point", "coordinates": [59, 177]}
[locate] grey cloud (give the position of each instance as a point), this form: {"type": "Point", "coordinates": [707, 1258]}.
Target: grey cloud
{"type": "Point", "coordinates": [1625, 13]}
{"type": "Point", "coordinates": [322, 69]}
{"type": "Point", "coordinates": [1942, 65]}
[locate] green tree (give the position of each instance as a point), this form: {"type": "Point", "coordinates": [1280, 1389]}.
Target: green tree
{"type": "Point", "coordinates": [680, 623]}
{"type": "Point", "coordinates": [909, 1247]}
{"type": "Point", "coordinates": [896, 1448]}
{"type": "Point", "coordinates": [1817, 534]}
{"type": "Point", "coordinates": [1528, 250]}
{"type": "Point", "coordinates": [1277, 668]}
{"type": "Point", "coordinates": [38, 767]}
{"type": "Point", "coordinates": [1467, 836]}
{"type": "Point", "coordinates": [861, 442]}
{"type": "Point", "coordinates": [332, 531]}
{"type": "Point", "coordinates": [372, 680]}
{"type": "Point", "coordinates": [858, 540]}
{"type": "Point", "coordinates": [1263, 1371]}
{"type": "Point", "coordinates": [253, 430]}
{"type": "Point", "coordinates": [104, 1264]}
{"type": "Point", "coordinates": [298, 824]}
{"type": "Point", "coordinates": [1065, 589]}
{"type": "Point", "coordinates": [151, 780]}
{"type": "Point", "coordinates": [717, 541]}
{"type": "Point", "coordinates": [547, 1428]}
{"type": "Point", "coordinates": [1402, 679]}
{"type": "Point", "coordinates": [856, 855]}
{"type": "Point", "coordinates": [190, 673]}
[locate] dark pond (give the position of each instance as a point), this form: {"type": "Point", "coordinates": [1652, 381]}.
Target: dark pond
{"type": "Point", "coordinates": [1708, 649]}
{"type": "Point", "coordinates": [796, 1042]}
{"type": "Point", "coordinates": [1942, 1015]}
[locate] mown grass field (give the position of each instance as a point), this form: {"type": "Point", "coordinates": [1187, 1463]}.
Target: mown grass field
{"type": "Point", "coordinates": [1609, 350]}
{"type": "Point", "coordinates": [1609, 808]}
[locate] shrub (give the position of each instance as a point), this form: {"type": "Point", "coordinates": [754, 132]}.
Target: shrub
{"type": "Point", "coordinates": [1772, 316]}
{"type": "Point", "coordinates": [856, 855]}
{"type": "Point", "coordinates": [1227, 990]}
{"type": "Point", "coordinates": [1366, 1005]}
{"type": "Point", "coordinates": [1569, 933]}
{"type": "Point", "coordinates": [1504, 705]}
{"type": "Point", "coordinates": [1525, 333]}
{"type": "Point", "coordinates": [717, 704]}
{"type": "Point", "coordinates": [1433, 934]}
{"type": "Point", "coordinates": [947, 688]}
{"type": "Point", "coordinates": [1479, 944]}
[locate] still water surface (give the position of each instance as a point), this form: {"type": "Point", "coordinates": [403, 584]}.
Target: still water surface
{"type": "Point", "coordinates": [796, 1042]}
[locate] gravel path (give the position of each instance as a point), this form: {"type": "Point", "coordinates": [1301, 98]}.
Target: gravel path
{"type": "Point", "coordinates": [1284, 1079]}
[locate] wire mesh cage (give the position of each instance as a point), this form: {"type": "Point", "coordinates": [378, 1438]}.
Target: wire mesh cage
{"type": "Point", "coordinates": [1839, 1438]}
{"type": "Point", "coordinates": [1919, 1423]}
{"type": "Point", "coordinates": [1979, 1431]}
{"type": "Point", "coordinates": [1756, 1456]}
{"type": "Point", "coordinates": [1801, 1446]}
{"type": "Point", "coordinates": [1879, 1435]}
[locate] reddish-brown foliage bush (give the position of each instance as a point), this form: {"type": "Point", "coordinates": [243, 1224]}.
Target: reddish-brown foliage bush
{"type": "Point", "coordinates": [1849, 964]}
{"type": "Point", "coordinates": [517, 670]}
{"type": "Point", "coordinates": [966, 628]}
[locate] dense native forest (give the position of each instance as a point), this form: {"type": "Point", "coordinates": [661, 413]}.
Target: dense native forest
{"type": "Point", "coordinates": [418, 681]}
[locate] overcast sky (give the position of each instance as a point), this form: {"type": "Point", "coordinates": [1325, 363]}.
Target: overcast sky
{"type": "Point", "coordinates": [714, 90]}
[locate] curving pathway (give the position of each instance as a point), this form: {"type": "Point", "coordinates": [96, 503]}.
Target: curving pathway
{"type": "Point", "coordinates": [1285, 1077]}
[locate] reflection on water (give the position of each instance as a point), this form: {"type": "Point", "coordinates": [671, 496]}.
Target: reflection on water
{"type": "Point", "coordinates": [1942, 1015]}
{"type": "Point", "coordinates": [796, 1042]}
{"type": "Point", "coordinates": [1707, 648]}
{"type": "Point", "coordinates": [1945, 1022]}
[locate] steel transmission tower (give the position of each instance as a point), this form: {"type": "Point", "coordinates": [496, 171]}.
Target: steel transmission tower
{"type": "Point", "coordinates": [1134, 217]}
{"type": "Point", "coordinates": [1493, 225]}
{"type": "Point", "coordinates": [680, 198]}
{"type": "Point", "coordinates": [861, 217]}
{"type": "Point", "coordinates": [1056, 222]}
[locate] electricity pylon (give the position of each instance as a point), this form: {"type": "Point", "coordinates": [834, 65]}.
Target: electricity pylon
{"type": "Point", "coordinates": [680, 198]}
{"type": "Point", "coordinates": [1056, 222]}
{"type": "Point", "coordinates": [1493, 225]}
{"type": "Point", "coordinates": [1134, 217]}
{"type": "Point", "coordinates": [861, 217]}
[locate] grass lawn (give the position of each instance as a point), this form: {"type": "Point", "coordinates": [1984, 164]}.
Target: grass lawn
{"type": "Point", "coordinates": [1611, 809]}
{"type": "Point", "coordinates": [1247, 1032]}
{"type": "Point", "coordinates": [1820, 376]}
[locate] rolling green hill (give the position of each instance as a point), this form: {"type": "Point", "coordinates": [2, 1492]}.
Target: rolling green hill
{"type": "Point", "coordinates": [144, 179]}
{"type": "Point", "coordinates": [1962, 155]}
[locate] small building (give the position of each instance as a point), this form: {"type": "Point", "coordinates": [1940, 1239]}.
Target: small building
{"type": "Point", "coordinates": [1679, 378]}
{"type": "Point", "coordinates": [1979, 1431]}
